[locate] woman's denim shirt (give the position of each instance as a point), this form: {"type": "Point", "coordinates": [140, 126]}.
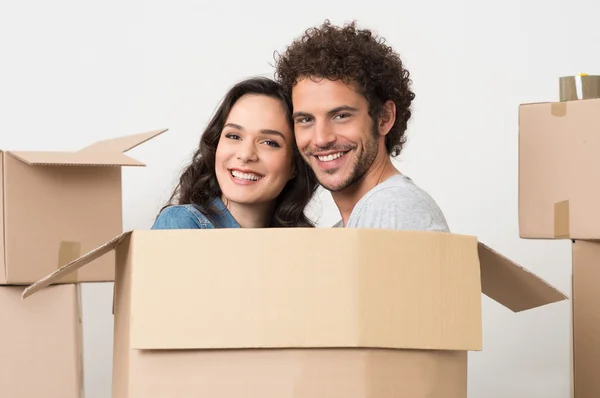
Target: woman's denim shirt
{"type": "Point", "coordinates": [189, 217]}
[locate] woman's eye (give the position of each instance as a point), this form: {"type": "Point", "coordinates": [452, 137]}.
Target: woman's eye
{"type": "Point", "coordinates": [232, 136]}
{"type": "Point", "coordinates": [272, 143]}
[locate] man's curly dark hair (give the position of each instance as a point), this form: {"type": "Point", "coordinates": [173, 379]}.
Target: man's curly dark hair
{"type": "Point", "coordinates": [356, 56]}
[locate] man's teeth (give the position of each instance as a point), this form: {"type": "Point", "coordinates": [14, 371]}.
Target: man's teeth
{"type": "Point", "coordinates": [331, 157]}
{"type": "Point", "coordinates": [245, 176]}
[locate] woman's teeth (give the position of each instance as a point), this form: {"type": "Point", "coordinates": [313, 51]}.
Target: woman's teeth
{"type": "Point", "coordinates": [245, 176]}
{"type": "Point", "coordinates": [331, 157]}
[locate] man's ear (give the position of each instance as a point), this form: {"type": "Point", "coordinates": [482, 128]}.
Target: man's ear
{"type": "Point", "coordinates": [388, 117]}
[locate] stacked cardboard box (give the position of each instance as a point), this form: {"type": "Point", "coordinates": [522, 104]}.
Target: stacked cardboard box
{"type": "Point", "coordinates": [301, 313]}
{"type": "Point", "coordinates": [559, 167]}
{"type": "Point", "coordinates": [54, 206]}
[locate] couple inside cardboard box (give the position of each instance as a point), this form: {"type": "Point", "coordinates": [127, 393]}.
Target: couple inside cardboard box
{"type": "Point", "coordinates": [334, 116]}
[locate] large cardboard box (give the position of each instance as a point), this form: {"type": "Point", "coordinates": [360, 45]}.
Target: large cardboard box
{"type": "Point", "coordinates": [41, 343]}
{"type": "Point", "coordinates": [302, 313]}
{"type": "Point", "coordinates": [559, 168]}
{"type": "Point", "coordinates": [55, 206]}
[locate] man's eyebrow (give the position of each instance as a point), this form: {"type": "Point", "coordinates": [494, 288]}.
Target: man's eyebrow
{"type": "Point", "coordinates": [303, 114]}
{"type": "Point", "coordinates": [342, 108]}
{"type": "Point", "coordinates": [347, 108]}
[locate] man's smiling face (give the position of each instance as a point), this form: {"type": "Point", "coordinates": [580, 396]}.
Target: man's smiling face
{"type": "Point", "coordinates": [334, 131]}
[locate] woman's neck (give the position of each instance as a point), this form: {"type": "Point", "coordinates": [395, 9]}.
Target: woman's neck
{"type": "Point", "coordinates": [250, 216]}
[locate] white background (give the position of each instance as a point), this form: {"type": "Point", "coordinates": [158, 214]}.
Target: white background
{"type": "Point", "coordinates": [74, 72]}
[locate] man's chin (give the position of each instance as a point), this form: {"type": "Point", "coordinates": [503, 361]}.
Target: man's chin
{"type": "Point", "coordinates": [333, 184]}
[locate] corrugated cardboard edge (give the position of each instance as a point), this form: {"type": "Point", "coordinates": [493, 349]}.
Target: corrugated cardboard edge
{"type": "Point", "coordinates": [512, 285]}
{"type": "Point", "coordinates": [562, 220]}
{"type": "Point", "coordinates": [106, 159]}
{"type": "Point", "coordinates": [74, 265]}
{"type": "Point", "coordinates": [3, 257]}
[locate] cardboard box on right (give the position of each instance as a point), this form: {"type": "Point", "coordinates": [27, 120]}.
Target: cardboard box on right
{"type": "Point", "coordinates": [559, 198]}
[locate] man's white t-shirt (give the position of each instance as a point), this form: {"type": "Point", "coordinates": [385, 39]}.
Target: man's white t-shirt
{"type": "Point", "coordinates": [397, 203]}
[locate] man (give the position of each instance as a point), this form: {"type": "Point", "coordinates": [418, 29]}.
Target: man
{"type": "Point", "coordinates": [351, 100]}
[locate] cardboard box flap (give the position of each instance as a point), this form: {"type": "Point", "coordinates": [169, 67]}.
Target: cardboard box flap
{"type": "Point", "coordinates": [122, 144]}
{"type": "Point", "coordinates": [512, 285]}
{"type": "Point", "coordinates": [102, 153]}
{"type": "Point", "coordinates": [74, 265]}
{"type": "Point", "coordinates": [341, 287]}
{"type": "Point", "coordinates": [39, 158]}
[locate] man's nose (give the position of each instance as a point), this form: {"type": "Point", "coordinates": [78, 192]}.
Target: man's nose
{"type": "Point", "coordinates": [247, 152]}
{"type": "Point", "coordinates": [324, 135]}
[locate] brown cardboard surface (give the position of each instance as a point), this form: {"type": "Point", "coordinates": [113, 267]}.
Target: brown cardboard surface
{"type": "Point", "coordinates": [343, 316]}
{"type": "Point", "coordinates": [341, 299]}
{"type": "Point", "coordinates": [558, 160]}
{"type": "Point", "coordinates": [2, 251]}
{"type": "Point", "coordinates": [295, 373]}
{"type": "Point", "coordinates": [59, 205]}
{"type": "Point", "coordinates": [512, 285]}
{"type": "Point", "coordinates": [586, 319]}
{"type": "Point", "coordinates": [40, 343]}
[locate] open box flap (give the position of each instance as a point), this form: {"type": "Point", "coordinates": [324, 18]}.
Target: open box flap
{"type": "Point", "coordinates": [102, 153]}
{"type": "Point", "coordinates": [122, 144]}
{"type": "Point", "coordinates": [512, 285]}
{"type": "Point", "coordinates": [75, 265]}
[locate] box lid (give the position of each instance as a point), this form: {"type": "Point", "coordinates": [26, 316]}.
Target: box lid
{"type": "Point", "coordinates": [340, 288]}
{"type": "Point", "coordinates": [102, 153]}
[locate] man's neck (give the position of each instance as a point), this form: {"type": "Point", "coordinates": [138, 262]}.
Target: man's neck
{"type": "Point", "coordinates": [347, 198]}
{"type": "Point", "coordinates": [250, 216]}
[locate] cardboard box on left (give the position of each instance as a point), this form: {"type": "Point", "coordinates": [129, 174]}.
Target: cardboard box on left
{"type": "Point", "coordinates": [54, 206]}
{"type": "Point", "coordinates": [41, 343]}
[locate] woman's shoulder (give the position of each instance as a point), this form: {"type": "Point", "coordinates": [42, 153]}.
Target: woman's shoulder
{"type": "Point", "coordinates": [181, 217]}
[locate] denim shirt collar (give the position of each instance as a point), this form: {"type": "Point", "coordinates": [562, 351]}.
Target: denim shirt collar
{"type": "Point", "coordinates": [223, 218]}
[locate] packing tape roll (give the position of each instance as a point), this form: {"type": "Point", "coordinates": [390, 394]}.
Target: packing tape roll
{"type": "Point", "coordinates": [579, 87]}
{"type": "Point", "coordinates": [67, 252]}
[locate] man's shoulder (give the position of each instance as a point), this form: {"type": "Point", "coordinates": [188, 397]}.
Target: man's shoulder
{"type": "Point", "coordinates": [398, 203]}
{"type": "Point", "coordinates": [398, 189]}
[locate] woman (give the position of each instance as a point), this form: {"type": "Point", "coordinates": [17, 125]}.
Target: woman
{"type": "Point", "coordinates": [247, 171]}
